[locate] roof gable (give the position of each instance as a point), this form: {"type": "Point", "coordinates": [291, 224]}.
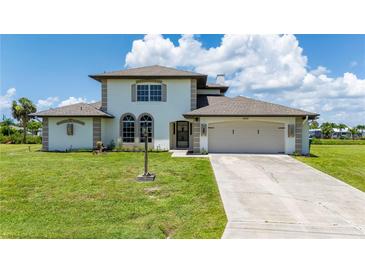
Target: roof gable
{"type": "Point", "coordinates": [75, 110]}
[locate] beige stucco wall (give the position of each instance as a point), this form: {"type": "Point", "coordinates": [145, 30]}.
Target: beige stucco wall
{"type": "Point", "coordinates": [59, 140]}
{"type": "Point", "coordinates": [120, 102]}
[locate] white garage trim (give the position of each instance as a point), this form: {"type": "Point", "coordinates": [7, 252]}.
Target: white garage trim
{"type": "Point", "coordinates": [289, 142]}
{"type": "Point", "coordinates": [246, 137]}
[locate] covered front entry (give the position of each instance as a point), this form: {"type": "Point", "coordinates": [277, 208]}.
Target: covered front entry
{"type": "Point", "coordinates": [182, 134]}
{"type": "Point", "coordinates": [246, 137]}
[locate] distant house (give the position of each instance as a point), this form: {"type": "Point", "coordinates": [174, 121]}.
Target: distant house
{"type": "Point", "coordinates": [361, 133]}
{"type": "Point", "coordinates": [343, 133]}
{"type": "Point", "coordinates": [315, 133]}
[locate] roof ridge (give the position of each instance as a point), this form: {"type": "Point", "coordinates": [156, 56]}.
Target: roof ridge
{"type": "Point", "coordinates": [244, 106]}
{"type": "Point", "coordinates": [152, 66]}
{"type": "Point", "coordinates": [73, 108]}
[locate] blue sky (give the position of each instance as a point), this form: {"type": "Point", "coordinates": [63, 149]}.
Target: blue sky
{"type": "Point", "coordinates": [57, 66]}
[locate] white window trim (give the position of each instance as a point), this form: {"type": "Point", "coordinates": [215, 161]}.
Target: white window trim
{"type": "Point", "coordinates": [149, 84]}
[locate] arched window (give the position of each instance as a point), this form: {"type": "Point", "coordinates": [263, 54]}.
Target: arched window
{"type": "Point", "coordinates": [145, 121]}
{"type": "Point", "coordinates": [128, 128]}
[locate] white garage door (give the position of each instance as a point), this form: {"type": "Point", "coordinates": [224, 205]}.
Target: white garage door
{"type": "Point", "coordinates": [246, 137]}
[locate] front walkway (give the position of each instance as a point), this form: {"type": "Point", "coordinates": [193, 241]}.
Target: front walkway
{"type": "Point", "coordinates": [185, 154]}
{"type": "Point", "coordinates": [276, 196]}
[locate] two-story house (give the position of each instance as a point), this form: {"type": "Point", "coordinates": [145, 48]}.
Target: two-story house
{"type": "Point", "coordinates": [180, 110]}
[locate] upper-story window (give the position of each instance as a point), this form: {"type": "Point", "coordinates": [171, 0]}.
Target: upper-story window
{"type": "Point", "coordinates": [155, 92]}
{"type": "Point", "coordinates": [142, 92]}
{"type": "Point", "coordinates": [151, 92]}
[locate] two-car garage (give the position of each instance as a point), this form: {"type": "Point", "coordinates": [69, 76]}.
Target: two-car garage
{"type": "Point", "coordinates": [246, 137]}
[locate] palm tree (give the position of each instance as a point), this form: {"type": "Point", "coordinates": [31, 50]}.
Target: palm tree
{"type": "Point", "coordinates": [34, 126]}
{"type": "Point", "coordinates": [327, 129]}
{"type": "Point", "coordinates": [6, 123]}
{"type": "Point", "coordinates": [314, 124]}
{"type": "Point", "coordinates": [21, 112]}
{"type": "Point", "coordinates": [341, 127]}
{"type": "Point", "coordinates": [354, 131]}
{"type": "Point", "coordinates": [361, 128]}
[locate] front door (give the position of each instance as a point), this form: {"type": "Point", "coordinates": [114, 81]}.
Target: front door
{"type": "Point", "coordinates": [182, 134]}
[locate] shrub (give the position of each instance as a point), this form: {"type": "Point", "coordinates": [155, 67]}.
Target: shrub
{"type": "Point", "coordinates": [17, 138]}
{"type": "Point", "coordinates": [111, 145]}
{"type": "Point", "coordinates": [7, 130]}
{"type": "Point", "coordinates": [34, 139]}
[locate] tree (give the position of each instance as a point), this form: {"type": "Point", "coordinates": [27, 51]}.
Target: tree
{"type": "Point", "coordinates": [5, 126]}
{"type": "Point", "coordinates": [361, 129]}
{"type": "Point", "coordinates": [314, 125]}
{"type": "Point", "coordinates": [34, 126]}
{"type": "Point", "coordinates": [354, 131]}
{"type": "Point", "coordinates": [327, 129]}
{"type": "Point", "coordinates": [20, 111]}
{"type": "Point", "coordinates": [341, 127]}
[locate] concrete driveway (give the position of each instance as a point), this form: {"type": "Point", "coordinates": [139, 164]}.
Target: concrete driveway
{"type": "Point", "coordinates": [276, 196]}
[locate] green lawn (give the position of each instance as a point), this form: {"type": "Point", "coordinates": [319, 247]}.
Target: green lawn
{"type": "Point", "coordinates": [345, 162]}
{"type": "Point", "coordinates": [337, 142]}
{"type": "Point", "coordinates": [80, 195]}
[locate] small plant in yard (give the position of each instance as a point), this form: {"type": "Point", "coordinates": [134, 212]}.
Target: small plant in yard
{"type": "Point", "coordinates": [111, 145]}
{"type": "Point", "coordinates": [99, 147]}
{"type": "Point", "coordinates": [119, 143]}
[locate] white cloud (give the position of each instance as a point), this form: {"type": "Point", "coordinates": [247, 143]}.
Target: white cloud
{"type": "Point", "coordinates": [254, 61]}
{"type": "Point", "coordinates": [46, 103]}
{"type": "Point", "coordinates": [268, 67]}
{"type": "Point", "coordinates": [320, 71]}
{"type": "Point", "coordinates": [6, 99]}
{"type": "Point", "coordinates": [73, 100]}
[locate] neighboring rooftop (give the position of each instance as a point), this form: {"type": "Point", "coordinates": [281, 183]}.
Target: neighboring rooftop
{"type": "Point", "coordinates": [75, 110]}
{"type": "Point", "coordinates": [242, 106]}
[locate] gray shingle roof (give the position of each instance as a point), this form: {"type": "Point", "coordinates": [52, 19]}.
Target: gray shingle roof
{"type": "Point", "coordinates": [153, 71]}
{"type": "Point", "coordinates": [205, 100]}
{"type": "Point", "coordinates": [150, 72]}
{"type": "Point", "coordinates": [243, 106]}
{"type": "Point", "coordinates": [75, 110]}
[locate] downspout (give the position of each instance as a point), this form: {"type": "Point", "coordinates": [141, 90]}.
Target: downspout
{"type": "Point", "coordinates": [306, 119]}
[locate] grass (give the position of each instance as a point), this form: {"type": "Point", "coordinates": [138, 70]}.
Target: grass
{"type": "Point", "coordinates": [80, 195]}
{"type": "Point", "coordinates": [345, 162]}
{"type": "Point", "coordinates": [337, 142]}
